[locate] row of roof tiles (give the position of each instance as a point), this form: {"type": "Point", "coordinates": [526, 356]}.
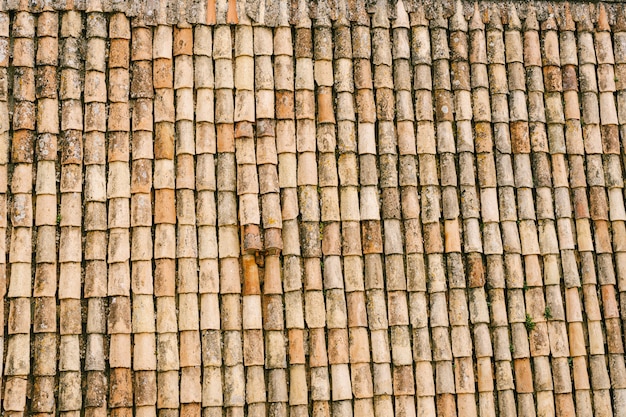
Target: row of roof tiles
{"type": "Point", "coordinates": [272, 13]}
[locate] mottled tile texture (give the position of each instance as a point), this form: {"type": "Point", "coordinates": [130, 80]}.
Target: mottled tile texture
{"type": "Point", "coordinates": [269, 208]}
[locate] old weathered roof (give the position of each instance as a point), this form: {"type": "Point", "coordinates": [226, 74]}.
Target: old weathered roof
{"type": "Point", "coordinates": [312, 208]}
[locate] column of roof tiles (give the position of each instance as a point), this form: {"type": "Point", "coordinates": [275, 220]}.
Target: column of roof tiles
{"type": "Point", "coordinates": [360, 356]}
{"type": "Point", "coordinates": [272, 223]}
{"type": "Point", "coordinates": [206, 221]}
{"type": "Point", "coordinates": [187, 243]}
{"type": "Point", "coordinates": [230, 280]}
{"type": "Point", "coordinates": [517, 143]}
{"type": "Point", "coordinates": [315, 311]}
{"type": "Point", "coordinates": [292, 272]}
{"type": "Point", "coordinates": [143, 323]}
{"type": "Point", "coordinates": [518, 347]}
{"type": "Point", "coordinates": [578, 184]}
{"type": "Point", "coordinates": [337, 281]}
{"type": "Point", "coordinates": [432, 221]}
{"type": "Point", "coordinates": [422, 85]}
{"type": "Point", "coordinates": [17, 363]}
{"type": "Point", "coordinates": [266, 157]}
{"type": "Point", "coordinates": [561, 166]}
{"type": "Point", "coordinates": [549, 244]}
{"type": "Point", "coordinates": [469, 210]}
{"type": "Point", "coordinates": [446, 90]}
{"type": "Point", "coordinates": [607, 87]}
{"type": "Point", "coordinates": [45, 285]}
{"type": "Point", "coordinates": [4, 160]}
{"type": "Point", "coordinates": [353, 137]}
{"type": "Point", "coordinates": [620, 75]}
{"type": "Point", "coordinates": [253, 329]}
{"type": "Point", "coordinates": [595, 208]}
{"type": "Point", "coordinates": [70, 221]}
{"type": "Point", "coordinates": [482, 52]}
{"type": "Point", "coordinates": [249, 217]}
{"type": "Point", "coordinates": [402, 377]}
{"type": "Point", "coordinates": [494, 170]}
{"type": "Point", "coordinates": [431, 209]}
{"type": "Point", "coordinates": [254, 356]}
{"type": "Point", "coordinates": [164, 179]}
{"type": "Point", "coordinates": [461, 340]}
{"type": "Point", "coordinates": [616, 213]}
{"type": "Point", "coordinates": [168, 363]}
{"type": "Point", "coordinates": [619, 36]}
{"type": "Point", "coordinates": [244, 117]}
{"type": "Point", "coordinates": [338, 284]}
{"type": "Point", "coordinates": [376, 98]}
{"type": "Point", "coordinates": [537, 143]}
{"type": "Point", "coordinates": [603, 211]}
{"type": "Point", "coordinates": [118, 195]}
{"type": "Point", "coordinates": [95, 214]}
{"type": "Point", "coordinates": [290, 240]}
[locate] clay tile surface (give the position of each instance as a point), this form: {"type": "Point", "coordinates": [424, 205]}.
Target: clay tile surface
{"type": "Point", "coordinates": [344, 208]}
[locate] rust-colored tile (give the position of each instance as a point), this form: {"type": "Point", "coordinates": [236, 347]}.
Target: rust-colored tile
{"type": "Point", "coordinates": [331, 240]}
{"type": "Point", "coordinates": [163, 73]}
{"type": "Point", "coordinates": [598, 203]}
{"type": "Point", "coordinates": [552, 78]}
{"type": "Point", "coordinates": [452, 236]}
{"type": "Point", "coordinates": [432, 238]}
{"type": "Point", "coordinates": [119, 53]}
{"type": "Point", "coordinates": [164, 141]}
{"type": "Point", "coordinates": [317, 348]}
{"type": "Point", "coordinates": [284, 102]}
{"type": "Point", "coordinates": [225, 138]}
{"type": "Point", "coordinates": [356, 309]}
{"type": "Point", "coordinates": [569, 78]}
{"type": "Point", "coordinates": [325, 110]}
{"type": "Point", "coordinates": [164, 277]}
{"type": "Point", "coordinates": [475, 270]}
{"type": "Point", "coordinates": [403, 380]}
{"type": "Point", "coordinates": [23, 146]}
{"type": "Point", "coordinates": [371, 237]}
{"type": "Point", "coordinates": [523, 375]}
{"type": "Point", "coordinates": [183, 41]}
{"type": "Point", "coordinates": [610, 139]}
{"type": "Point", "coordinates": [609, 302]}
{"type": "Point", "coordinates": [338, 346]}
{"type": "Point", "coordinates": [273, 240]}
{"type": "Point", "coordinates": [483, 137]}
{"type": "Point", "coordinates": [296, 347]}
{"type": "Point", "coordinates": [565, 404]}
{"type": "Point", "coordinates": [520, 140]}
{"type": "Point", "coordinates": [120, 388]}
